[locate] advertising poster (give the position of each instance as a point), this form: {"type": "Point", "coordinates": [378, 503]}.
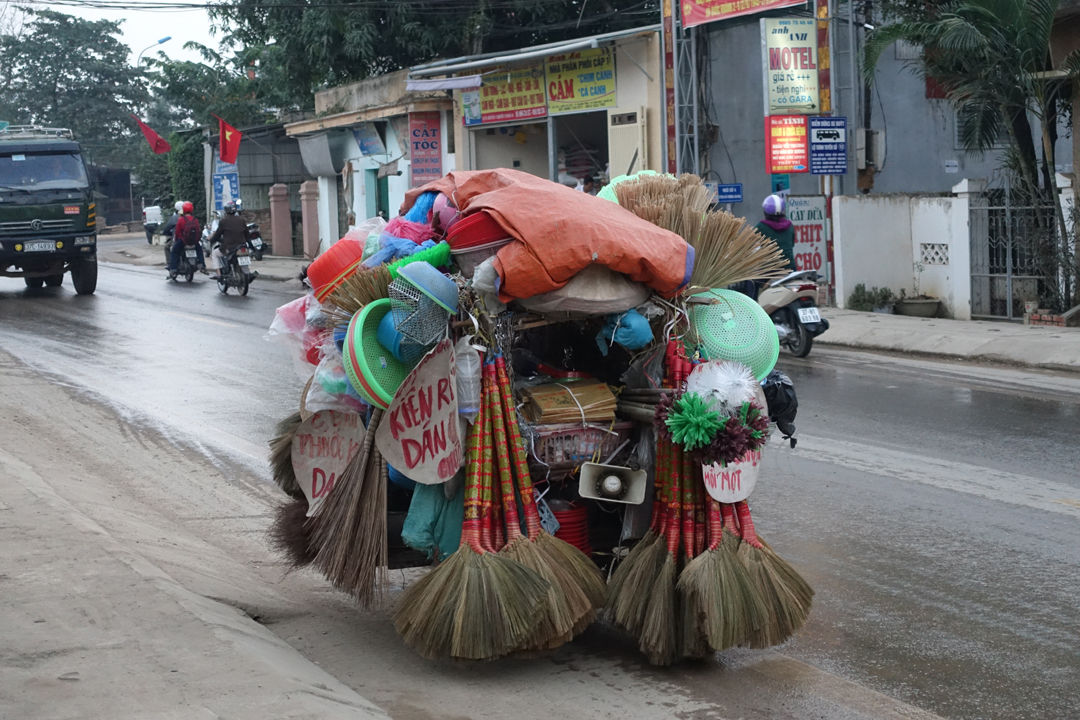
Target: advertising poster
{"type": "Point", "coordinates": [506, 96]}
{"type": "Point", "coordinates": [698, 12]}
{"type": "Point", "coordinates": [425, 147]}
{"type": "Point", "coordinates": [786, 146]}
{"type": "Point", "coordinates": [580, 81]}
{"type": "Point", "coordinates": [368, 138]}
{"type": "Point", "coordinates": [226, 189]}
{"type": "Point", "coordinates": [807, 216]}
{"type": "Point", "coordinates": [790, 61]}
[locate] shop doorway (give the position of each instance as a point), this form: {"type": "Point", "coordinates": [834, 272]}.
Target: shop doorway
{"type": "Point", "coordinates": [377, 194]}
{"type": "Point", "coordinates": [582, 146]}
{"type": "Point", "coordinates": [521, 147]}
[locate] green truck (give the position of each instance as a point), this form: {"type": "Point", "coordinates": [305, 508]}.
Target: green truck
{"type": "Point", "coordinates": [48, 220]}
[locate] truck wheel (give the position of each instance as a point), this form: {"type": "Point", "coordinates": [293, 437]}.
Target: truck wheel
{"type": "Point", "coordinates": [84, 276]}
{"type": "Point", "coordinates": [55, 280]}
{"type": "Point", "coordinates": [34, 283]}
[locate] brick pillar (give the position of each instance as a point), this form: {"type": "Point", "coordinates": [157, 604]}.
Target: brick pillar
{"type": "Point", "coordinates": [280, 220]}
{"type": "Point", "coordinates": [309, 214]}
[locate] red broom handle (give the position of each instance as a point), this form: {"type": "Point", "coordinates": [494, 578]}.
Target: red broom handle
{"type": "Point", "coordinates": [521, 460]}
{"type": "Point", "coordinates": [746, 524]}
{"type": "Point", "coordinates": [689, 531]}
{"type": "Point", "coordinates": [674, 505]}
{"type": "Point", "coordinates": [486, 462]}
{"type": "Point", "coordinates": [502, 453]}
{"type": "Point", "coordinates": [470, 528]}
{"type": "Point", "coordinates": [728, 513]}
{"type": "Point", "coordinates": [716, 528]}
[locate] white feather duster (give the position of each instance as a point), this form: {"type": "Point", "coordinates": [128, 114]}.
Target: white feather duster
{"type": "Point", "coordinates": [726, 384]}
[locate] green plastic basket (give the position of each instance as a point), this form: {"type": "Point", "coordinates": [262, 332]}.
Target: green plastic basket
{"type": "Point", "coordinates": [736, 328]}
{"type": "Point", "coordinates": [374, 373]}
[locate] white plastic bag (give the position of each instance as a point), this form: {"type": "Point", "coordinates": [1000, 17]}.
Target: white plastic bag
{"type": "Point", "coordinates": [469, 379]}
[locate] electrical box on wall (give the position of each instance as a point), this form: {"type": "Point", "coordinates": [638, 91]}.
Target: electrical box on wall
{"type": "Point", "coordinates": [869, 148]}
{"type": "Point", "coordinates": [628, 150]}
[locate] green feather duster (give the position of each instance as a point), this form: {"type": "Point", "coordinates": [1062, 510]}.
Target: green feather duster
{"type": "Point", "coordinates": [692, 423]}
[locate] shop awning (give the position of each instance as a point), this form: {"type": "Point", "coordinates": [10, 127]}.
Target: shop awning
{"type": "Point", "coordinates": [354, 117]}
{"type": "Point", "coordinates": [472, 62]}
{"type": "Point", "coordinates": [458, 83]}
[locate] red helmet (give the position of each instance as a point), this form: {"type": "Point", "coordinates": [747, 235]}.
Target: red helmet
{"type": "Point", "coordinates": [188, 208]}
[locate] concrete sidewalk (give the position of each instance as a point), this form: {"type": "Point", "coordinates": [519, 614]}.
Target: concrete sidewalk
{"type": "Point", "coordinates": [94, 629]}
{"type": "Point", "coordinates": [132, 249]}
{"type": "Point", "coordinates": [1044, 347]}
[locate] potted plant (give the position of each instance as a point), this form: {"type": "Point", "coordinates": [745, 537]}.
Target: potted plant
{"type": "Point", "coordinates": [920, 305]}
{"type": "Point", "coordinates": [879, 300]}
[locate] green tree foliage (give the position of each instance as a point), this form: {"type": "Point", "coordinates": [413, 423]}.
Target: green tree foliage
{"type": "Point", "coordinates": [186, 169]}
{"type": "Point", "coordinates": [155, 180]}
{"type": "Point", "coordinates": [68, 72]}
{"type": "Point", "coordinates": [244, 88]}
{"type": "Point", "coordinates": [317, 44]}
{"type": "Point", "coordinates": [988, 55]}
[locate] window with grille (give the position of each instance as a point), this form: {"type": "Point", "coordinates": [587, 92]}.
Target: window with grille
{"type": "Point", "coordinates": [934, 253]}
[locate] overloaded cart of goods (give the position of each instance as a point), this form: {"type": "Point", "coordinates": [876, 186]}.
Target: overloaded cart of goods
{"type": "Point", "coordinates": [552, 402]}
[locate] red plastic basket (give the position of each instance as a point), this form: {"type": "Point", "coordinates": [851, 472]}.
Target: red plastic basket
{"type": "Point", "coordinates": [331, 268]}
{"type": "Point", "coordinates": [475, 230]}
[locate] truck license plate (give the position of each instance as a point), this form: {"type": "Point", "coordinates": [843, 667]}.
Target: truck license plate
{"type": "Point", "coordinates": [244, 260]}
{"type": "Point", "coordinates": [40, 246]}
{"type": "Point", "coordinates": [191, 253]}
{"type": "Point", "coordinates": [809, 315]}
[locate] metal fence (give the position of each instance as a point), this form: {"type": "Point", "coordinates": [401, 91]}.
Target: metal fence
{"type": "Point", "coordinates": [1018, 256]}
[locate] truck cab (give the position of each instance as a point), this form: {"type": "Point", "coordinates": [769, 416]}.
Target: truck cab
{"type": "Point", "coordinates": [48, 220]}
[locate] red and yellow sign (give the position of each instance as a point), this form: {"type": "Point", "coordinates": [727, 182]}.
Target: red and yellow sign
{"type": "Point", "coordinates": [699, 12]}
{"type": "Point", "coordinates": [507, 96]}
{"type": "Point", "coordinates": [787, 148]}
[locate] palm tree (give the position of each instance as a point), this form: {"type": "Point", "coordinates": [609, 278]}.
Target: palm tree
{"type": "Point", "coordinates": [993, 59]}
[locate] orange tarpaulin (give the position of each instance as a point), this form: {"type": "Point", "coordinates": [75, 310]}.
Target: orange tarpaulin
{"type": "Point", "coordinates": [561, 231]}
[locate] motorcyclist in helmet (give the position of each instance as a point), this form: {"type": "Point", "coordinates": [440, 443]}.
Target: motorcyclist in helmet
{"type": "Point", "coordinates": [170, 224]}
{"type": "Point", "coordinates": [186, 235]}
{"type": "Point", "coordinates": [232, 232]}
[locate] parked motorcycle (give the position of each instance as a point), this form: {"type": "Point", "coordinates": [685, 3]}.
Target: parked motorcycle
{"type": "Point", "coordinates": [791, 302]}
{"type": "Point", "coordinates": [236, 272]}
{"type": "Point", "coordinates": [255, 241]}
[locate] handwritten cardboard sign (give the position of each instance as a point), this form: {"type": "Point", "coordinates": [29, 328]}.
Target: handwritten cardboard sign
{"type": "Point", "coordinates": [419, 433]}
{"type": "Point", "coordinates": [321, 449]}
{"type": "Point", "coordinates": [735, 481]}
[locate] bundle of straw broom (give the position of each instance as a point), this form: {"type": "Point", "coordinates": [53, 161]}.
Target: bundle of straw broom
{"type": "Point", "coordinates": [537, 591]}
{"type": "Point", "coordinates": [726, 250]}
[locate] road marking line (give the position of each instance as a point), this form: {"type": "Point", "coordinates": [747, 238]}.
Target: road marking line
{"type": "Point", "coordinates": [222, 323]}
{"type": "Point", "coordinates": [962, 477]}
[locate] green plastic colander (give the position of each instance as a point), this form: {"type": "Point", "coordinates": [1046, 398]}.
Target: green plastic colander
{"type": "Point", "coordinates": [372, 370]}
{"type": "Point", "coordinates": [608, 191]}
{"type": "Point", "coordinates": [736, 328]}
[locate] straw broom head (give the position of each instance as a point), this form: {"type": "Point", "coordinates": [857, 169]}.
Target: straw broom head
{"type": "Point", "coordinates": [725, 593]}
{"type": "Point", "coordinates": [281, 466]}
{"type": "Point", "coordinates": [290, 534]}
{"type": "Point", "coordinates": [726, 251]}
{"type": "Point", "coordinates": [660, 631]}
{"type": "Point", "coordinates": [357, 290]}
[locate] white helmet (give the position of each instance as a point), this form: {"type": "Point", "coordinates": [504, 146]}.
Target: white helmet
{"type": "Point", "coordinates": [179, 206]}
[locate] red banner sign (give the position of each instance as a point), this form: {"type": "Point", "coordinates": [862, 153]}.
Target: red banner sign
{"type": "Point", "coordinates": [425, 147]}
{"type": "Point", "coordinates": [698, 12]}
{"type": "Point", "coordinates": [787, 148]}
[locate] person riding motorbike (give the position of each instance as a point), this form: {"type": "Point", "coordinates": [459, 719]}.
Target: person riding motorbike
{"type": "Point", "coordinates": [232, 232]}
{"type": "Point", "coordinates": [170, 224]}
{"type": "Point", "coordinates": [778, 227]}
{"type": "Point", "coordinates": [186, 235]}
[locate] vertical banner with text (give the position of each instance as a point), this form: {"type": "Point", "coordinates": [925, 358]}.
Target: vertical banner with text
{"type": "Point", "coordinates": [425, 147]}
{"type": "Point", "coordinates": [786, 147]}
{"type": "Point", "coordinates": [790, 61]}
{"type": "Point", "coordinates": [807, 216]}
{"type": "Point", "coordinates": [668, 34]}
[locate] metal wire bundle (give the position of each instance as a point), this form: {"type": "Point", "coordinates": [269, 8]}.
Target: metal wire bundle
{"type": "Point", "coordinates": [727, 250]}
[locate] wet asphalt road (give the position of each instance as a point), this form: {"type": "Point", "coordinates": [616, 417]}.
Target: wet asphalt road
{"type": "Point", "coordinates": [935, 507]}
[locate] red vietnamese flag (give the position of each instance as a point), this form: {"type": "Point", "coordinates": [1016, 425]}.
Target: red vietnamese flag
{"type": "Point", "coordinates": [157, 143]}
{"type": "Point", "coordinates": [229, 141]}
